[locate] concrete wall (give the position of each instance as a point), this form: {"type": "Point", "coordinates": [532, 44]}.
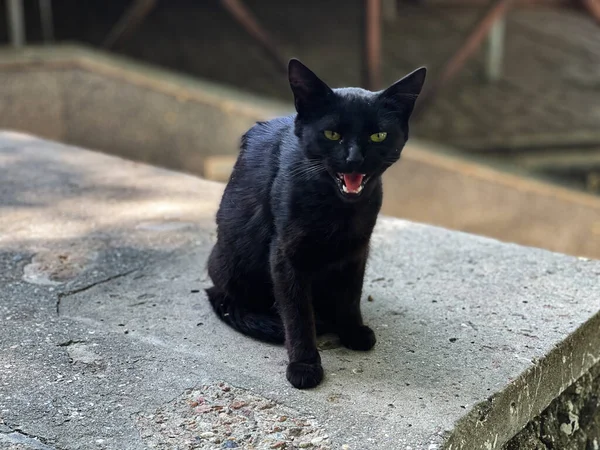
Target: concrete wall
{"type": "Point", "coordinates": [89, 99]}
{"type": "Point", "coordinates": [145, 114]}
{"type": "Point", "coordinates": [141, 123]}
{"type": "Point", "coordinates": [570, 422]}
{"type": "Point", "coordinates": [32, 100]}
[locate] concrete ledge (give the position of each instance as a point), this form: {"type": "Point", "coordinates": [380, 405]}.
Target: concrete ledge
{"type": "Point", "coordinates": [106, 334]}
{"type": "Point", "coordinates": [112, 104]}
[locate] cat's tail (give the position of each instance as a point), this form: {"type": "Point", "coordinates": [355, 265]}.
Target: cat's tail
{"type": "Point", "coordinates": [262, 326]}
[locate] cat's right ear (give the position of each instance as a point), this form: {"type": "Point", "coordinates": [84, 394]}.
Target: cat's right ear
{"type": "Point", "coordinates": [310, 92]}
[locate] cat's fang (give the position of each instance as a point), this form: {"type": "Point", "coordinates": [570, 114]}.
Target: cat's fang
{"type": "Point", "coordinates": [357, 191]}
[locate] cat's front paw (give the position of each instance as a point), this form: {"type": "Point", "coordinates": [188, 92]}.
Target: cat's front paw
{"type": "Point", "coordinates": [304, 375]}
{"type": "Point", "coordinates": [361, 338]}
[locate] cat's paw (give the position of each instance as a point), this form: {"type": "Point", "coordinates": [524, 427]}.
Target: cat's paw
{"type": "Point", "coordinates": [304, 375]}
{"type": "Point", "coordinates": [361, 338]}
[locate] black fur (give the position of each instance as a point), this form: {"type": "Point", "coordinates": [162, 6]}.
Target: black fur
{"type": "Point", "coordinates": [292, 245]}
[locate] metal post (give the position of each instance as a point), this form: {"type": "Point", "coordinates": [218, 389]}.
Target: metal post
{"type": "Point", "coordinates": [593, 7]}
{"type": "Point", "coordinates": [372, 45]}
{"type": "Point", "coordinates": [16, 22]}
{"type": "Point", "coordinates": [251, 25]}
{"type": "Point", "coordinates": [47, 20]}
{"type": "Point", "coordinates": [495, 50]}
{"type": "Point", "coordinates": [135, 14]}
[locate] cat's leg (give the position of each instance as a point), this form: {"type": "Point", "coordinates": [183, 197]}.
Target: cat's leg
{"type": "Point", "coordinates": [243, 299]}
{"type": "Point", "coordinates": [293, 298]}
{"type": "Point", "coordinates": [337, 296]}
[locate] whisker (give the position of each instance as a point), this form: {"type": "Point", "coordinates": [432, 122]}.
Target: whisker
{"type": "Point", "coordinates": [307, 168]}
{"type": "Point", "coordinates": [313, 171]}
{"type": "Point", "coordinates": [307, 171]}
{"type": "Point", "coordinates": [301, 170]}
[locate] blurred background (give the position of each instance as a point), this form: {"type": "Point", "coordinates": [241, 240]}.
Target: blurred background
{"type": "Point", "coordinates": [505, 138]}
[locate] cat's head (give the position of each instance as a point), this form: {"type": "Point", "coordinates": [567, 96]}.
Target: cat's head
{"type": "Point", "coordinates": [354, 133]}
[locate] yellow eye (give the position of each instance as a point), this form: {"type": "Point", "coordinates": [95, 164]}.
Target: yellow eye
{"type": "Point", "coordinates": [332, 135]}
{"type": "Point", "coordinates": [379, 137]}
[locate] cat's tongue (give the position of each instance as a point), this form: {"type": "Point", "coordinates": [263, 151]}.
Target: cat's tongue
{"type": "Point", "coordinates": [353, 182]}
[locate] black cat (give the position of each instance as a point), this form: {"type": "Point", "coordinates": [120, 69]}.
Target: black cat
{"type": "Point", "coordinates": [296, 217]}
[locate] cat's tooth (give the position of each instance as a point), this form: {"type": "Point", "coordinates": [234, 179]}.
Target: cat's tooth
{"type": "Point", "coordinates": [345, 189]}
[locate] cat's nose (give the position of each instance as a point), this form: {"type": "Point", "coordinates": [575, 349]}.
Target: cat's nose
{"type": "Point", "coordinates": [355, 157]}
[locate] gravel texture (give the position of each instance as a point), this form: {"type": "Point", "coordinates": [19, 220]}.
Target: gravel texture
{"type": "Point", "coordinates": [222, 416]}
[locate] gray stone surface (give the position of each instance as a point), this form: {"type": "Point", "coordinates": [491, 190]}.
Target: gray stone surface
{"type": "Point", "coordinates": [106, 334]}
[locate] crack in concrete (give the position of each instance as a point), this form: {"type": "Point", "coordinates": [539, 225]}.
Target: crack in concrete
{"type": "Point", "coordinates": [62, 295]}
{"type": "Point", "coordinates": [18, 436]}
{"type": "Point", "coordinates": [69, 342]}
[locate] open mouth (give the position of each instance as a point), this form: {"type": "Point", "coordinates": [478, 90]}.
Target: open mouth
{"type": "Point", "coordinates": [351, 183]}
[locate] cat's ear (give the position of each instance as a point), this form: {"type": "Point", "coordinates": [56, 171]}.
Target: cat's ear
{"type": "Point", "coordinates": [406, 90]}
{"type": "Point", "coordinates": [310, 92]}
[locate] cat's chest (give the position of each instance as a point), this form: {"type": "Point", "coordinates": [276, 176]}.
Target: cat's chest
{"type": "Point", "coordinates": [317, 250]}
{"type": "Point", "coordinates": [335, 238]}
{"type": "Point", "coordinates": [334, 222]}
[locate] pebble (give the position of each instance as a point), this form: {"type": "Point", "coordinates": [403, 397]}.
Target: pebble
{"type": "Point", "coordinates": [207, 434]}
{"type": "Point", "coordinates": [296, 431]}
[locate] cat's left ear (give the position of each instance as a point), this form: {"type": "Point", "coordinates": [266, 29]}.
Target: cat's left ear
{"type": "Point", "coordinates": [310, 92]}
{"type": "Point", "coordinates": [406, 90]}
